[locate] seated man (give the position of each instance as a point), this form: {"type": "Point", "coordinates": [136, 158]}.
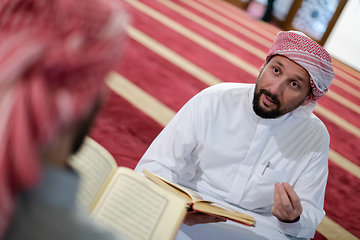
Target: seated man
{"type": "Point", "coordinates": [54, 57]}
{"type": "Point", "coordinates": [256, 146]}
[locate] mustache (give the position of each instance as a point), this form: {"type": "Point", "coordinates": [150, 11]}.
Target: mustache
{"type": "Point", "coordinates": [273, 97]}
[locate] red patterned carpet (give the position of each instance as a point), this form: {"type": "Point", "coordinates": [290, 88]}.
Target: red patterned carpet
{"type": "Point", "coordinates": [177, 48]}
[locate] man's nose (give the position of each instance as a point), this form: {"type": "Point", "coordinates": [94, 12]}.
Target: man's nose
{"type": "Point", "coordinates": [277, 87]}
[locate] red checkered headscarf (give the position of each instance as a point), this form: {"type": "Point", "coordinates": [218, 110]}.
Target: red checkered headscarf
{"type": "Point", "coordinates": [54, 56]}
{"type": "Point", "coordinates": [308, 54]}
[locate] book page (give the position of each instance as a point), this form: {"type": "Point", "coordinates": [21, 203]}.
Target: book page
{"type": "Point", "coordinates": [136, 208]}
{"type": "Point", "coordinates": [181, 191]}
{"type": "Point", "coordinates": [95, 166]}
{"type": "Point", "coordinates": [200, 204]}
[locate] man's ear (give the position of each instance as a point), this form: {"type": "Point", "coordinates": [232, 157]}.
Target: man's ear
{"type": "Point", "coordinates": [308, 99]}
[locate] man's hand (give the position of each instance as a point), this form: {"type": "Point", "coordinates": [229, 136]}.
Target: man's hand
{"type": "Point", "coordinates": [193, 218]}
{"type": "Point", "coordinates": [287, 206]}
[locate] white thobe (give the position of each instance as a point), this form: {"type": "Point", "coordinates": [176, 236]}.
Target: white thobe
{"type": "Point", "coordinates": [216, 144]}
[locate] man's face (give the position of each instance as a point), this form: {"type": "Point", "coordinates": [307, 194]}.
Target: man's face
{"type": "Point", "coordinates": [281, 87]}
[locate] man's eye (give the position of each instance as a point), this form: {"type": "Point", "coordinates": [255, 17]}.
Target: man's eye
{"type": "Point", "coordinates": [294, 84]}
{"type": "Point", "coordinates": [276, 70]}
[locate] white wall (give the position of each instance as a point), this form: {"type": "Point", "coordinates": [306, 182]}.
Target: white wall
{"type": "Point", "coordinates": [344, 40]}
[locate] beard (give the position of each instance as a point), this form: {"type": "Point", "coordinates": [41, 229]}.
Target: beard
{"type": "Point", "coordinates": [278, 111]}
{"type": "Point", "coordinates": [260, 111]}
{"type": "Point", "coordinates": [84, 126]}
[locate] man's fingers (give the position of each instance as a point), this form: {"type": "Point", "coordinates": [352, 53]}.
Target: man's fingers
{"type": "Point", "coordinates": [277, 200]}
{"type": "Point", "coordinates": [285, 200]}
{"type": "Point", "coordinates": [287, 205]}
{"type": "Point", "coordinates": [294, 198]}
{"type": "Point", "coordinates": [277, 208]}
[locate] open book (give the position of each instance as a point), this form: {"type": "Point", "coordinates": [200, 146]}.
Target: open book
{"type": "Point", "coordinates": [196, 203]}
{"type": "Point", "coordinates": [125, 201]}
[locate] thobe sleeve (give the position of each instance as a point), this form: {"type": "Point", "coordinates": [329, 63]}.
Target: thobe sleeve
{"type": "Point", "coordinates": [170, 154]}
{"type": "Point", "coordinates": [310, 187]}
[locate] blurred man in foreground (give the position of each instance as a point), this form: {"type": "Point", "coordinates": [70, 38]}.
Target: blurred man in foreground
{"type": "Point", "coordinates": [54, 57]}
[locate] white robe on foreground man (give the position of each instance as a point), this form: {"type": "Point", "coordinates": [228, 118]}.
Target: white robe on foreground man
{"type": "Point", "coordinates": [219, 145]}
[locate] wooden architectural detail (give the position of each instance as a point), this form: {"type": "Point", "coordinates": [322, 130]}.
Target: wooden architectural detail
{"type": "Point", "coordinates": [287, 24]}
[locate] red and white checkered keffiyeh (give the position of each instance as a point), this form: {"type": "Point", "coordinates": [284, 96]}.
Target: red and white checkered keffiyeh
{"type": "Point", "coordinates": [308, 54]}
{"type": "Point", "coordinates": [54, 56]}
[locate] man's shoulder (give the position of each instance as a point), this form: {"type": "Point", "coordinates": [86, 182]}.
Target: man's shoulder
{"type": "Point", "coordinates": [313, 119]}
{"type": "Point", "coordinates": [317, 126]}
